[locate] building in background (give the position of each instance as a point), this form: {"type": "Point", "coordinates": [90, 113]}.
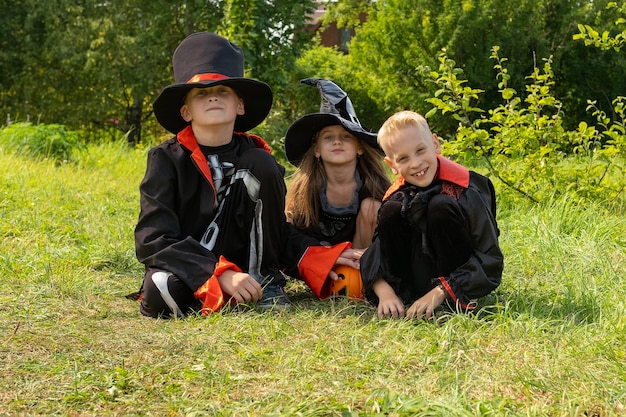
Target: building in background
{"type": "Point", "coordinates": [331, 35]}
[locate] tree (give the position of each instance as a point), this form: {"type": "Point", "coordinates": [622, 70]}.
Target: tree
{"type": "Point", "coordinates": [393, 50]}
{"type": "Point", "coordinates": [272, 34]}
{"type": "Point", "coordinates": [401, 39]}
{"type": "Point", "coordinates": [11, 54]}
{"type": "Point", "coordinates": [95, 64]}
{"type": "Point", "coordinates": [601, 74]}
{"type": "Point", "coordinates": [99, 65]}
{"type": "Point", "coordinates": [134, 41]}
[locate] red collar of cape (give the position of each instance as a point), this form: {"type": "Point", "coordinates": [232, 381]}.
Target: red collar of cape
{"type": "Point", "coordinates": [188, 140]}
{"type": "Point", "coordinates": [447, 171]}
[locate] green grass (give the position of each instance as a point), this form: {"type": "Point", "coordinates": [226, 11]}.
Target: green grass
{"type": "Point", "coordinates": [550, 341]}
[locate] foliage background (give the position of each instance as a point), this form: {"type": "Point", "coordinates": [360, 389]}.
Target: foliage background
{"type": "Point", "coordinates": [99, 65]}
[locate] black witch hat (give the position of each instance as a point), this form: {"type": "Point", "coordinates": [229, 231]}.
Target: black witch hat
{"type": "Point", "coordinates": [335, 109]}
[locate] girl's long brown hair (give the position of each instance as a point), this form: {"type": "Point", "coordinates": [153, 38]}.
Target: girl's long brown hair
{"type": "Point", "coordinates": [303, 203]}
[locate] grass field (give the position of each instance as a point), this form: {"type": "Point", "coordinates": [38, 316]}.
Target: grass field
{"type": "Point", "coordinates": [550, 341]}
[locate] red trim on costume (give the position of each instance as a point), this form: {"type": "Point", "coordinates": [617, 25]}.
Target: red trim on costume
{"type": "Point", "coordinates": [456, 301]}
{"type": "Point", "coordinates": [399, 182]}
{"type": "Point", "coordinates": [209, 76]}
{"type": "Point", "coordinates": [210, 293]}
{"type": "Point", "coordinates": [188, 140]}
{"type": "Point", "coordinates": [258, 141]}
{"type": "Point", "coordinates": [453, 172]}
{"type": "Point", "coordinates": [447, 170]}
{"type": "Point", "coordinates": [315, 265]}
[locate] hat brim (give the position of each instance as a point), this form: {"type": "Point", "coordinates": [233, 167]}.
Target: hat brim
{"type": "Point", "coordinates": [301, 133]}
{"type": "Point", "coordinates": [257, 97]}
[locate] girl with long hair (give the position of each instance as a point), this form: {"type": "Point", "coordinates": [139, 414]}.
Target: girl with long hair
{"type": "Point", "coordinates": [340, 180]}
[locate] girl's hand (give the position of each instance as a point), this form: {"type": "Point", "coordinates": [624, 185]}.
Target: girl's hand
{"type": "Point", "coordinates": [350, 257]}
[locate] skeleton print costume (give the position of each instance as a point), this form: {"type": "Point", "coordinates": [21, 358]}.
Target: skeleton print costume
{"type": "Point", "coordinates": [201, 216]}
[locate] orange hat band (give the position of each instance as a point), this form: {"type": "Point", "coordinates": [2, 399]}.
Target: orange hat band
{"type": "Point", "coordinates": [209, 76]}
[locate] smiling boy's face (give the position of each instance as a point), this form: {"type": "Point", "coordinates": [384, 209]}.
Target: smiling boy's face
{"type": "Point", "coordinates": [412, 153]}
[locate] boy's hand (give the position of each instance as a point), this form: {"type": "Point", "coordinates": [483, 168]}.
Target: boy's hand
{"type": "Point", "coordinates": [426, 305]}
{"type": "Point", "coordinates": [390, 307]}
{"type": "Point", "coordinates": [240, 285]}
{"type": "Point", "coordinates": [349, 257]}
{"type": "Point", "coordinates": [389, 304]}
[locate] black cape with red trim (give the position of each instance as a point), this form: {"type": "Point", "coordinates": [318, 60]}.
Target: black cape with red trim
{"type": "Point", "coordinates": [178, 203]}
{"type": "Point", "coordinates": [477, 277]}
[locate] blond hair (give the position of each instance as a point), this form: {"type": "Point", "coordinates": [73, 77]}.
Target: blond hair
{"type": "Point", "coordinates": [401, 120]}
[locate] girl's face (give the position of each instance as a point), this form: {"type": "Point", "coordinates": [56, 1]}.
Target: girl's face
{"type": "Point", "coordinates": [413, 154]}
{"type": "Point", "coordinates": [335, 145]}
{"type": "Point", "coordinates": [212, 106]}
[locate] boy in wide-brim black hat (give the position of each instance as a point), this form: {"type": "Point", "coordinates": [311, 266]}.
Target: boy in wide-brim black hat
{"type": "Point", "coordinates": [212, 228]}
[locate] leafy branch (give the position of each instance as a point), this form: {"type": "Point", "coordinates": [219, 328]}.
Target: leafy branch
{"type": "Point", "coordinates": [523, 141]}
{"type": "Point", "coordinates": [604, 40]}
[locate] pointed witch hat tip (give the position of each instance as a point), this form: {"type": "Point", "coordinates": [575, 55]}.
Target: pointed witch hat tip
{"type": "Point", "coordinates": [333, 99]}
{"type": "Point", "coordinates": [338, 110]}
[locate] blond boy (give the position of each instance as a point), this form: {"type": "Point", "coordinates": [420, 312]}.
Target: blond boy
{"type": "Point", "coordinates": [437, 235]}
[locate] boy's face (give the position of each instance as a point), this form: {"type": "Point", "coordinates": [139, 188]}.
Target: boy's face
{"type": "Point", "coordinates": [335, 145]}
{"type": "Point", "coordinates": [212, 106]}
{"type": "Point", "coordinates": [413, 154]}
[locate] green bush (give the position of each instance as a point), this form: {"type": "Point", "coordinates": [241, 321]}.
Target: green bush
{"type": "Point", "coordinates": [523, 142]}
{"type": "Point", "coordinates": [49, 141]}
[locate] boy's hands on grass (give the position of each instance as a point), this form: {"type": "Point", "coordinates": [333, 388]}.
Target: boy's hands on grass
{"type": "Point", "coordinates": [240, 285]}
{"type": "Point", "coordinates": [425, 306]}
{"type": "Point", "coordinates": [389, 304]}
{"type": "Point", "coordinates": [390, 307]}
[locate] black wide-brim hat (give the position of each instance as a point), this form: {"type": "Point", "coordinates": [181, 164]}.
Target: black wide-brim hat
{"type": "Point", "coordinates": [206, 59]}
{"type": "Point", "coordinates": [335, 109]}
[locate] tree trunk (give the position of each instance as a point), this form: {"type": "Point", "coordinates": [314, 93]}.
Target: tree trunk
{"type": "Point", "coordinates": [133, 121]}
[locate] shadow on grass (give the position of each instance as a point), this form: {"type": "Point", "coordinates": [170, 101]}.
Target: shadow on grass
{"type": "Point", "coordinates": [302, 298]}
{"type": "Point", "coordinates": [567, 306]}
